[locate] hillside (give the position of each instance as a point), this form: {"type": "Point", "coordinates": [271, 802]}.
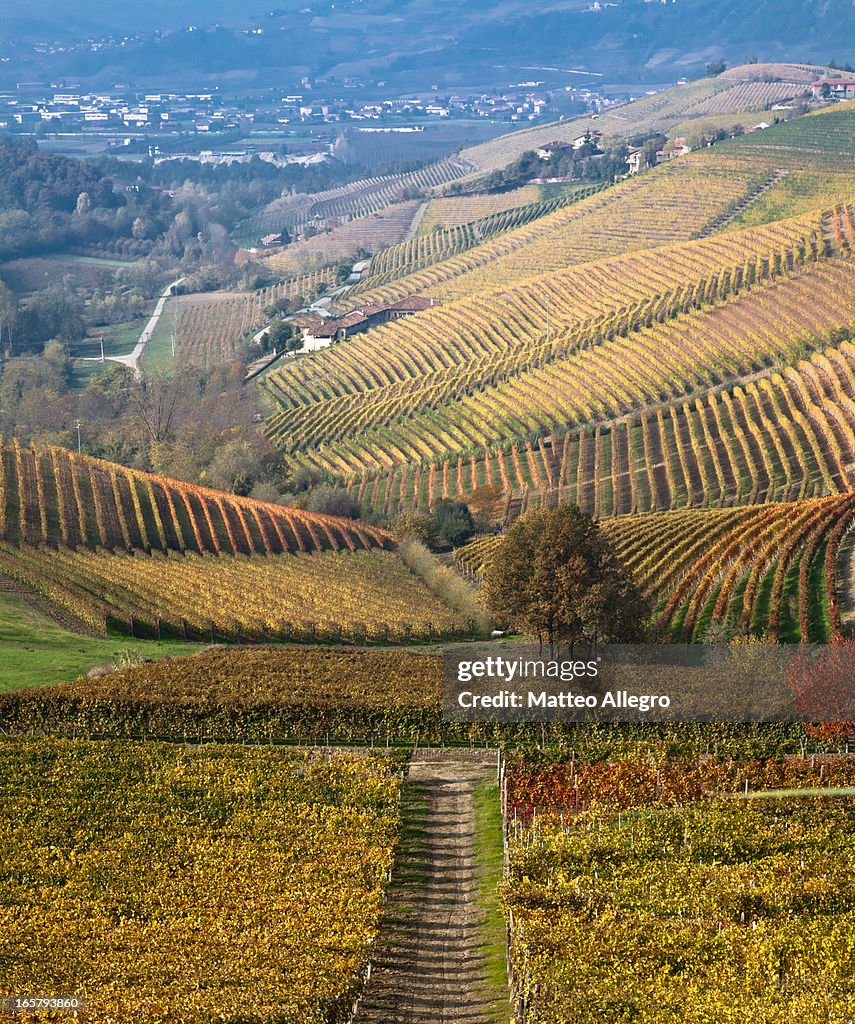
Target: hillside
{"type": "Point", "coordinates": [56, 497]}
{"type": "Point", "coordinates": [777, 570]}
{"type": "Point", "coordinates": [105, 549]}
{"type": "Point", "coordinates": [741, 89]}
{"type": "Point", "coordinates": [678, 200]}
{"type": "Point", "coordinates": [503, 335]}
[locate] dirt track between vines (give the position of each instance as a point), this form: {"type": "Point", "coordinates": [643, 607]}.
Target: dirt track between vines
{"type": "Point", "coordinates": [427, 968]}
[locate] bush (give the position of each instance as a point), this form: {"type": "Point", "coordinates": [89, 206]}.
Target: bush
{"type": "Point", "coordinates": [333, 501]}
{"type": "Point", "coordinates": [452, 522]}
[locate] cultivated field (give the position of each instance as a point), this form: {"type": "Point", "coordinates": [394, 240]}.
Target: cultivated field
{"type": "Point", "coordinates": [210, 327]}
{"type": "Point", "coordinates": [55, 497]}
{"type": "Point", "coordinates": [771, 570]}
{"type": "Point", "coordinates": [211, 889]}
{"type": "Point", "coordinates": [503, 338]}
{"type": "Point", "coordinates": [653, 889]}
{"type": "Point", "coordinates": [369, 233]}
{"type": "Point", "coordinates": [651, 113]}
{"type": "Point", "coordinates": [360, 596]}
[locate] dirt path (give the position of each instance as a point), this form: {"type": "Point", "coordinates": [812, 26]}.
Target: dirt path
{"type": "Point", "coordinates": [427, 968]}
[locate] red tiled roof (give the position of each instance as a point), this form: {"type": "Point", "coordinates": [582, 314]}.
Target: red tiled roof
{"type": "Point", "coordinates": [329, 328]}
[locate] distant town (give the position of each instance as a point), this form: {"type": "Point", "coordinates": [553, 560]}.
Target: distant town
{"type": "Point", "coordinates": [204, 125]}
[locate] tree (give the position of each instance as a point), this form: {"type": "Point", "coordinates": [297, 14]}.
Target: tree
{"type": "Point", "coordinates": [333, 501]}
{"type": "Point", "coordinates": [555, 578]}
{"type": "Point", "coordinates": [8, 313]}
{"type": "Point", "coordinates": [715, 68]}
{"type": "Point", "coordinates": [279, 337]}
{"type": "Point", "coordinates": [452, 522]}
{"type": "Point", "coordinates": [236, 468]}
{"type": "Point", "coordinates": [411, 523]}
{"type": "Point", "coordinates": [822, 682]}
{"type": "Point", "coordinates": [157, 397]}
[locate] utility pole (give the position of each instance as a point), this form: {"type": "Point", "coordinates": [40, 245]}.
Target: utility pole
{"type": "Point", "coordinates": [102, 348]}
{"type": "Point", "coordinates": [173, 346]}
{"type": "Point", "coordinates": [79, 446]}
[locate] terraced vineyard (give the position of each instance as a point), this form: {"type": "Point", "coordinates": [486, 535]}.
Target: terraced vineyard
{"type": "Point", "coordinates": [363, 596]}
{"type": "Point", "coordinates": [427, 249]}
{"type": "Point", "coordinates": [56, 497]}
{"type": "Point", "coordinates": [506, 376]}
{"type": "Point", "coordinates": [373, 232]}
{"type": "Point", "coordinates": [772, 569]}
{"type": "Point", "coordinates": [210, 327]}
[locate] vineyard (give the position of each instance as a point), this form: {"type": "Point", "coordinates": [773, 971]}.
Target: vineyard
{"type": "Point", "coordinates": [748, 96]}
{"type": "Point", "coordinates": [429, 248]}
{"type": "Point", "coordinates": [772, 570]}
{"type": "Point", "coordinates": [227, 883]}
{"type": "Point", "coordinates": [820, 141]}
{"type": "Point", "coordinates": [370, 233]}
{"type": "Point", "coordinates": [359, 199]}
{"type": "Point", "coordinates": [294, 694]}
{"type": "Point", "coordinates": [651, 888]}
{"type": "Point", "coordinates": [734, 92]}
{"type": "Point", "coordinates": [500, 320]}
{"type": "Point", "coordinates": [806, 73]}
{"type": "Point", "coordinates": [767, 570]}
{"type": "Point", "coordinates": [781, 436]}
{"type": "Point", "coordinates": [678, 200]}
{"type": "Point", "coordinates": [455, 211]}
{"type": "Point", "coordinates": [56, 497]}
{"type": "Point", "coordinates": [513, 386]}
{"type": "Point", "coordinates": [673, 352]}
{"type": "Point", "coordinates": [364, 596]}
{"type": "Point", "coordinates": [209, 328]}
{"type": "Point", "coordinates": [672, 203]}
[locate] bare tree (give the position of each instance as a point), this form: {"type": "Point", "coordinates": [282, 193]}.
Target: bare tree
{"type": "Point", "coordinates": [157, 398]}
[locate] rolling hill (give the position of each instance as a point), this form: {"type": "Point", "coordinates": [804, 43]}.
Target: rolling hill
{"type": "Point", "coordinates": [108, 549]}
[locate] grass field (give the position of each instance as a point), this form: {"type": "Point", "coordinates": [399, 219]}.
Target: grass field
{"type": "Point", "coordinates": [34, 650]}
{"type": "Point", "coordinates": [489, 861]}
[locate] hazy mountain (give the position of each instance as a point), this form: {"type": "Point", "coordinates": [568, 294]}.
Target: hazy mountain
{"type": "Point", "coordinates": [430, 40]}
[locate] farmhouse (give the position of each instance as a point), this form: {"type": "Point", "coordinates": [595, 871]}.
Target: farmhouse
{"type": "Point", "coordinates": [836, 88]}
{"type": "Point", "coordinates": [318, 333]}
{"type": "Point", "coordinates": [547, 150]}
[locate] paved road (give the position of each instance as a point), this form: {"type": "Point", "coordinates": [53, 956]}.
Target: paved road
{"type": "Point", "coordinates": [132, 359]}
